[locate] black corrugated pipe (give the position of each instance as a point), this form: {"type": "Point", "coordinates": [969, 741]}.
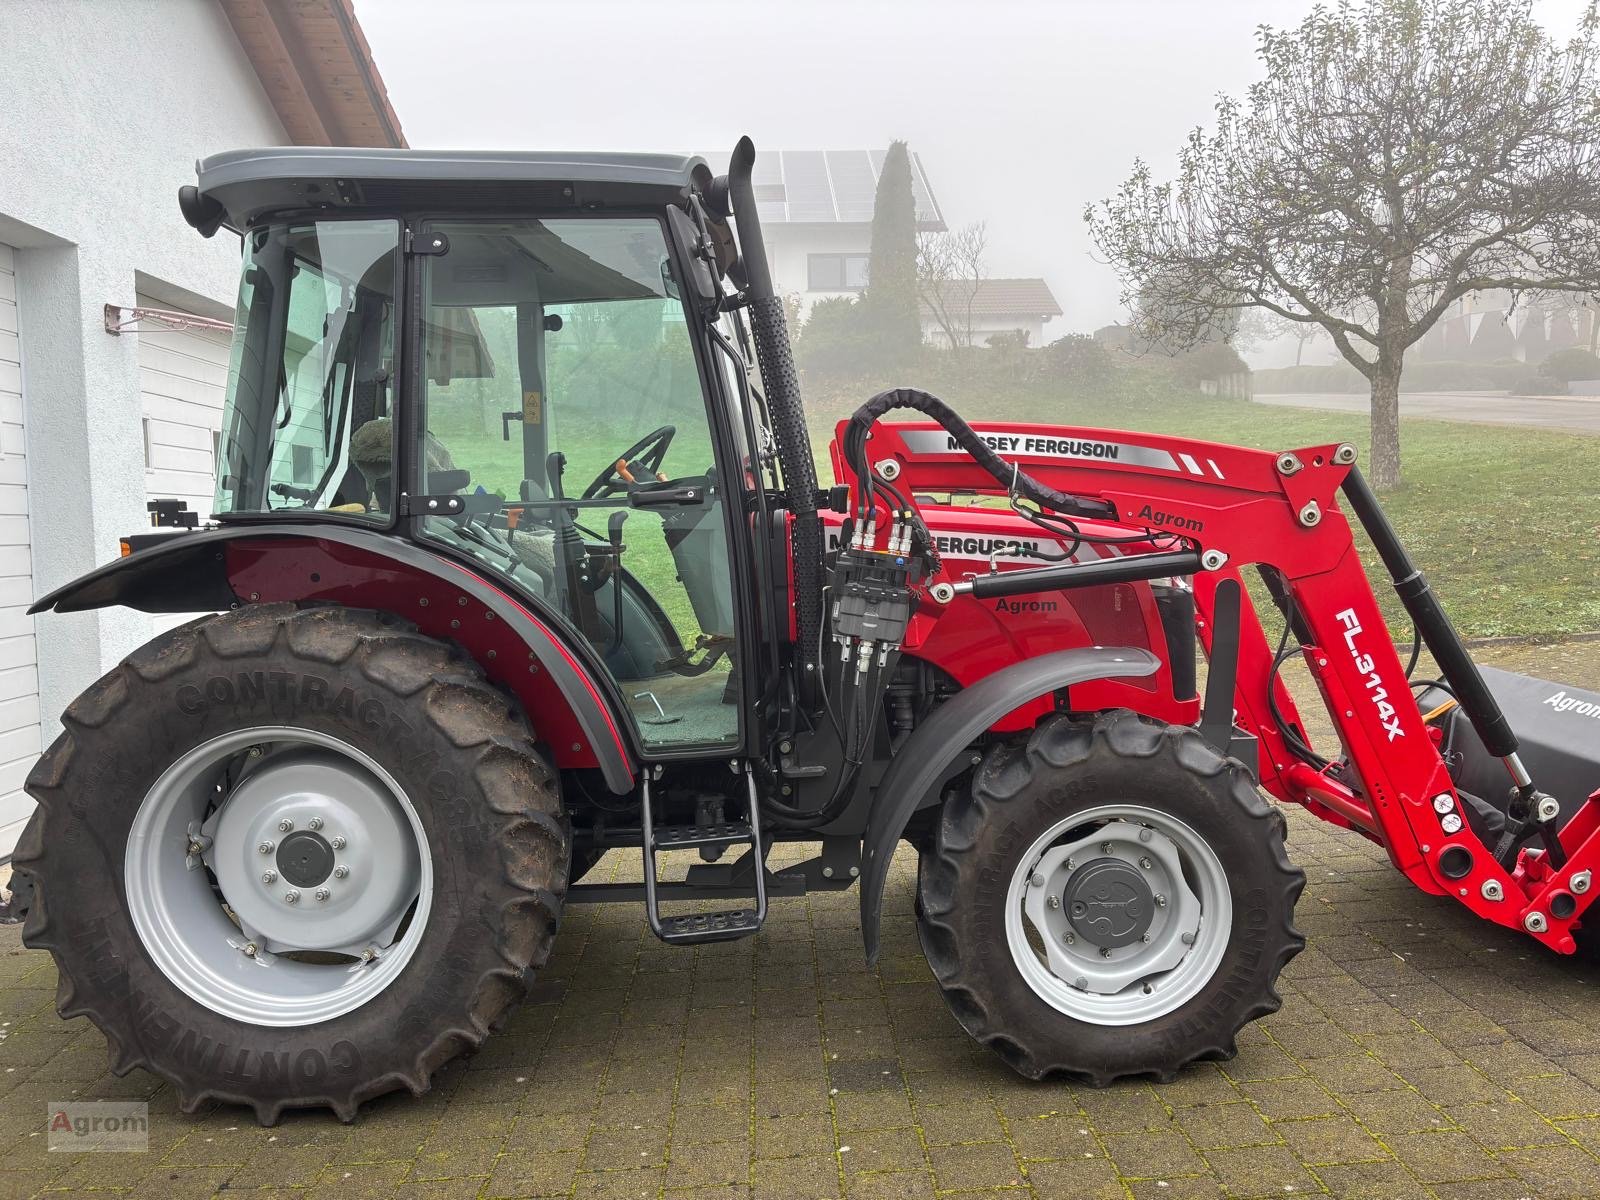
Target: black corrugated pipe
{"type": "Point", "coordinates": [782, 387]}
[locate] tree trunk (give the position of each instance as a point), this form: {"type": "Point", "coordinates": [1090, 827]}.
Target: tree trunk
{"type": "Point", "coordinates": [1384, 467]}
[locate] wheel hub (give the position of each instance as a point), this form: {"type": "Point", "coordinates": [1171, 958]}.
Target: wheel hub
{"type": "Point", "coordinates": [1108, 903]}
{"type": "Point", "coordinates": [1105, 922]}
{"type": "Point", "coordinates": [305, 859]}
{"type": "Point", "coordinates": [312, 854]}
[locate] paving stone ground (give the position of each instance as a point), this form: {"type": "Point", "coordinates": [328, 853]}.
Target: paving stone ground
{"type": "Point", "coordinates": [1419, 1053]}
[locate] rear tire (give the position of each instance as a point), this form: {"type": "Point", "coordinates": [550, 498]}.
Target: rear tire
{"type": "Point", "coordinates": [466, 841]}
{"type": "Point", "coordinates": [1144, 856]}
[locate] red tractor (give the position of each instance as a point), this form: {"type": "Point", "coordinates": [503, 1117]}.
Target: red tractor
{"type": "Point", "coordinates": [519, 555]}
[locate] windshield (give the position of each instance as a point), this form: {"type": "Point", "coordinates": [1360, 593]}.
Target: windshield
{"type": "Point", "coordinates": [306, 424]}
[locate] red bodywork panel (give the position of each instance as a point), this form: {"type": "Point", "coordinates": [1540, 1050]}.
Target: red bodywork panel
{"type": "Point", "coordinates": [307, 569]}
{"type": "Point", "coordinates": [1393, 786]}
{"type": "Point", "coordinates": [971, 638]}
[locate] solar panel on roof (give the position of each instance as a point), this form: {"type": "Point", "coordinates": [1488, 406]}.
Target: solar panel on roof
{"type": "Point", "coordinates": [921, 194]}
{"type": "Point", "coordinates": [827, 186]}
{"type": "Point", "coordinates": [854, 184]}
{"type": "Point", "coordinates": [805, 178]}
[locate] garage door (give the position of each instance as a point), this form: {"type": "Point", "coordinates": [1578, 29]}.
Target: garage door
{"type": "Point", "coordinates": [19, 672]}
{"type": "Point", "coordinates": [182, 374]}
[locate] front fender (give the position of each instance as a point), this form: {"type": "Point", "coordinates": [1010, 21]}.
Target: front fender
{"type": "Point", "coordinates": [944, 737]}
{"type": "Point", "coordinates": [528, 653]}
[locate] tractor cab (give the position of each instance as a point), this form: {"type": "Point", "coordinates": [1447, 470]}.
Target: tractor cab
{"type": "Point", "coordinates": [510, 360]}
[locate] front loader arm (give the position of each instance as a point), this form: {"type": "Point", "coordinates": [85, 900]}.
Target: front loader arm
{"type": "Point", "coordinates": [1236, 507]}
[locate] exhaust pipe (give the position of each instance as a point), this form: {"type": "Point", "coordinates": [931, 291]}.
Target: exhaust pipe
{"type": "Point", "coordinates": [781, 384]}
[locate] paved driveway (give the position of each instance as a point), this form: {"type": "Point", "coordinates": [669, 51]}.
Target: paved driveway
{"type": "Point", "coordinates": [1574, 414]}
{"type": "Point", "coordinates": [1418, 1054]}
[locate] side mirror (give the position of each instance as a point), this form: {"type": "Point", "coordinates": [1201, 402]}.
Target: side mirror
{"type": "Point", "coordinates": [702, 279]}
{"type": "Point", "coordinates": [203, 213]}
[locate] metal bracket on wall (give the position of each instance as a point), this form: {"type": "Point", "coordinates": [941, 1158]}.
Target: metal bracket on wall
{"type": "Point", "coordinates": [122, 319]}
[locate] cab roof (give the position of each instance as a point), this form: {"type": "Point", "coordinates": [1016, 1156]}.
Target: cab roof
{"type": "Point", "coordinates": [254, 184]}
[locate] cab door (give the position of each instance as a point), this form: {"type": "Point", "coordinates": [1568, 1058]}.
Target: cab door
{"type": "Point", "coordinates": [561, 399]}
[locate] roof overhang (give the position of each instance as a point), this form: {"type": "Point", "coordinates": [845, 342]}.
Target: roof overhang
{"type": "Point", "coordinates": [317, 70]}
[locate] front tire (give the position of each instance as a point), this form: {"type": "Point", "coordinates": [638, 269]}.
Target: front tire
{"type": "Point", "coordinates": [1112, 899]}
{"type": "Point", "coordinates": [292, 857]}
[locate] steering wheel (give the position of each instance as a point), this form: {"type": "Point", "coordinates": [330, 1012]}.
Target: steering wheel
{"type": "Point", "coordinates": [644, 455]}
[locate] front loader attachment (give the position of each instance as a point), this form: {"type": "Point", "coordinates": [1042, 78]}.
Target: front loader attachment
{"type": "Point", "coordinates": [1485, 827]}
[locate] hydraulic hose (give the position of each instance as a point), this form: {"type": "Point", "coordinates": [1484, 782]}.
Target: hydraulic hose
{"type": "Point", "coordinates": [1018, 482]}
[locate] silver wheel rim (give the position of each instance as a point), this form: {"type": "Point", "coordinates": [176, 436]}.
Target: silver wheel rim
{"type": "Point", "coordinates": [1183, 935]}
{"type": "Point", "coordinates": [226, 897]}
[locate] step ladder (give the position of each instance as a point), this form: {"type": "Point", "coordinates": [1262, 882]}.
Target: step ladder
{"type": "Point", "coordinates": [691, 928]}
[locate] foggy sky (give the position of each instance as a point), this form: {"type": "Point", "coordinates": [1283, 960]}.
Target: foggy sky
{"type": "Point", "coordinates": [1022, 112]}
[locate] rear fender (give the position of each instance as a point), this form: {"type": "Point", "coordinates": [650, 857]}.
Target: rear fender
{"type": "Point", "coordinates": [525, 651]}
{"type": "Point", "coordinates": [925, 761]}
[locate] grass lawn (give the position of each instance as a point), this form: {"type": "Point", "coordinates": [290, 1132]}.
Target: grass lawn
{"type": "Point", "coordinates": [1505, 522]}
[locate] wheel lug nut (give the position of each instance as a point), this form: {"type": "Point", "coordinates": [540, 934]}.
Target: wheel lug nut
{"type": "Point", "coordinates": [1146, 864]}
{"type": "Point", "coordinates": [1105, 951]}
{"type": "Point", "coordinates": [285, 825]}
{"type": "Point", "coordinates": [291, 897]}
{"type": "Point", "coordinates": [1053, 902]}
{"type": "Point", "coordinates": [269, 877]}
{"type": "Point", "coordinates": [265, 847]}
{"type": "Point", "coordinates": [323, 893]}
{"type": "Point", "coordinates": [251, 949]}
{"type": "Point", "coordinates": [1069, 937]}
{"type": "Point", "coordinates": [1161, 901]}
{"type": "Point", "coordinates": [314, 823]}
{"type": "Point", "coordinates": [1144, 937]}
{"type": "Point", "coordinates": [341, 872]}
{"type": "Point", "coordinates": [337, 843]}
{"type": "Point", "coordinates": [1105, 847]}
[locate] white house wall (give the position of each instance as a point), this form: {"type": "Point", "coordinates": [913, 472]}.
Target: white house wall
{"type": "Point", "coordinates": [107, 105]}
{"type": "Point", "coordinates": [790, 246]}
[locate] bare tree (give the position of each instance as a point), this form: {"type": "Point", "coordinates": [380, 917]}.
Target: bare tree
{"type": "Point", "coordinates": [1398, 155]}
{"type": "Point", "coordinates": [951, 268]}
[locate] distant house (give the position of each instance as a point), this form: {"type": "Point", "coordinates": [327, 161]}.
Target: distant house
{"type": "Point", "coordinates": [816, 215]}
{"type": "Point", "coordinates": [1486, 327]}
{"type": "Point", "coordinates": [977, 312]}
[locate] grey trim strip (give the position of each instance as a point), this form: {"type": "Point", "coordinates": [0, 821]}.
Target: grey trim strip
{"type": "Point", "coordinates": [440, 166]}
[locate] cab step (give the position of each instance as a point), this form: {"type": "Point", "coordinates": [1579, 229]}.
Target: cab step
{"type": "Point", "coordinates": [708, 927]}
{"type": "Point", "coordinates": [693, 928]}
{"type": "Point", "coordinates": [694, 837]}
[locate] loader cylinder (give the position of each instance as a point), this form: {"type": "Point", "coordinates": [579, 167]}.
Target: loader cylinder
{"type": "Point", "coordinates": [1075, 575]}
{"type": "Point", "coordinates": [1438, 634]}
